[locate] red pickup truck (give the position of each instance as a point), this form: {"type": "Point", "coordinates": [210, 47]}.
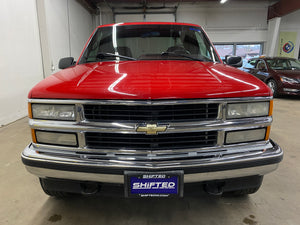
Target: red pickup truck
{"type": "Point", "coordinates": [150, 107]}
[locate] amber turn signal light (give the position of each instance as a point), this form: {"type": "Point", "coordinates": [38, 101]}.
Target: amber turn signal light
{"type": "Point", "coordinates": [271, 108]}
{"type": "Point", "coordinates": [268, 133]}
{"type": "Point", "coordinates": [29, 111]}
{"type": "Point", "coordinates": [33, 136]}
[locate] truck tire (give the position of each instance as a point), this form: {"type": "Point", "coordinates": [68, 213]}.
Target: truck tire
{"type": "Point", "coordinates": [52, 193]}
{"type": "Point", "coordinates": [242, 192]}
{"type": "Point", "coordinates": [244, 186]}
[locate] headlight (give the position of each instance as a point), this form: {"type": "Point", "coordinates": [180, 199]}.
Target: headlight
{"type": "Point", "coordinates": [233, 137]}
{"type": "Point", "coordinates": [244, 110]}
{"type": "Point", "coordinates": [288, 80]}
{"type": "Point", "coordinates": [53, 112]}
{"type": "Point", "coordinates": [56, 138]}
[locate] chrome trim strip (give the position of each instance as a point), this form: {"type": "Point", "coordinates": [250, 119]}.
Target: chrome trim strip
{"type": "Point", "coordinates": [224, 125]}
{"type": "Point", "coordinates": [221, 138]}
{"type": "Point", "coordinates": [150, 102]}
{"type": "Point", "coordinates": [96, 177]}
{"type": "Point", "coordinates": [226, 149]}
{"type": "Point", "coordinates": [227, 174]}
{"type": "Point", "coordinates": [81, 140]}
{"type": "Point", "coordinates": [265, 153]}
{"type": "Point", "coordinates": [119, 179]}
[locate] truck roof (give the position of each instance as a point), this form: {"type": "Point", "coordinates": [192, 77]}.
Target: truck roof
{"type": "Point", "coordinates": [149, 23]}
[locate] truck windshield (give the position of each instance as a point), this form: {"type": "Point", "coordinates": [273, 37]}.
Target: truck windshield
{"type": "Point", "coordinates": [149, 42]}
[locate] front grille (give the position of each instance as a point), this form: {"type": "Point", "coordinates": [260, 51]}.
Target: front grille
{"type": "Point", "coordinates": [151, 142]}
{"type": "Point", "coordinates": [147, 113]}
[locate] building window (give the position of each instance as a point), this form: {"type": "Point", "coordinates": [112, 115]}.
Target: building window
{"type": "Point", "coordinates": [224, 50]}
{"type": "Point", "coordinates": [249, 50]}
{"type": "Point", "coordinates": [245, 50]}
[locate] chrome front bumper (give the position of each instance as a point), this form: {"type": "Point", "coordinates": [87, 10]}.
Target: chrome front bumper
{"type": "Point", "coordinates": [112, 171]}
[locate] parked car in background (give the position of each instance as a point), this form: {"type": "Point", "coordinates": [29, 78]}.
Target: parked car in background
{"type": "Point", "coordinates": [281, 74]}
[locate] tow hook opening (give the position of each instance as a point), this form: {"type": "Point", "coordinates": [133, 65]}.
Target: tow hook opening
{"type": "Point", "coordinates": [214, 188]}
{"type": "Point", "coordinates": [89, 188]}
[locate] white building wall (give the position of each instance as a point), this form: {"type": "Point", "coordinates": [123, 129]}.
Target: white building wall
{"type": "Point", "coordinates": [105, 16]}
{"type": "Point", "coordinates": [81, 27]}
{"type": "Point", "coordinates": [20, 57]}
{"type": "Point", "coordinates": [160, 17]}
{"type": "Point", "coordinates": [69, 26]}
{"type": "Point", "coordinates": [147, 18]}
{"type": "Point", "coordinates": [127, 18]}
{"type": "Point", "coordinates": [64, 27]}
{"type": "Point", "coordinates": [57, 14]}
{"type": "Point", "coordinates": [230, 22]}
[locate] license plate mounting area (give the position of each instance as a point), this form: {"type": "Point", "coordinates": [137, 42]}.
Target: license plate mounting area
{"type": "Point", "coordinates": [166, 184]}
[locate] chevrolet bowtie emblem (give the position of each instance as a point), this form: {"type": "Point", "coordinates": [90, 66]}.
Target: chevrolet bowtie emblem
{"type": "Point", "coordinates": [151, 129]}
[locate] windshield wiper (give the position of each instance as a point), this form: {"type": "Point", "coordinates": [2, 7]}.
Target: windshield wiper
{"type": "Point", "coordinates": [102, 55]}
{"type": "Point", "coordinates": [185, 56]}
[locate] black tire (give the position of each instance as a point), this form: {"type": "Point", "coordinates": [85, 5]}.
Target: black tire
{"type": "Point", "coordinates": [242, 192]}
{"type": "Point", "coordinates": [243, 186]}
{"type": "Point", "coordinates": [52, 193]}
{"type": "Point", "coordinates": [274, 87]}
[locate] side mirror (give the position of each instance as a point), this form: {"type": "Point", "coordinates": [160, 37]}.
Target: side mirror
{"type": "Point", "coordinates": [65, 62]}
{"type": "Point", "coordinates": [235, 61]}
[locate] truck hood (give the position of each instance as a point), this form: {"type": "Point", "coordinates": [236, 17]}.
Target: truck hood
{"type": "Point", "coordinates": [180, 79]}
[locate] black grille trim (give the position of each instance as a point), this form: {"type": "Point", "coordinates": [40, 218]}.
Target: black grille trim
{"type": "Point", "coordinates": [148, 113]}
{"type": "Point", "coordinates": [151, 142]}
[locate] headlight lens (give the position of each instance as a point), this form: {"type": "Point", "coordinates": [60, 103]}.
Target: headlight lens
{"type": "Point", "coordinates": [288, 80]}
{"type": "Point", "coordinates": [56, 138]}
{"type": "Point", "coordinates": [233, 137]}
{"type": "Point", "coordinates": [244, 110]}
{"type": "Point", "coordinates": [53, 112]}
